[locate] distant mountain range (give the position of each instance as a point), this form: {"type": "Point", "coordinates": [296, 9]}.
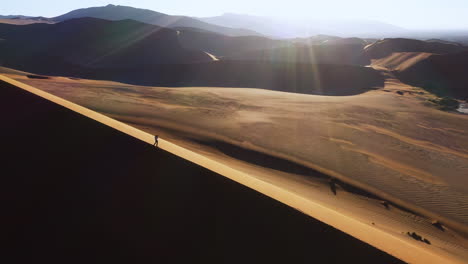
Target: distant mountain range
{"type": "Point", "coordinates": [139, 53]}
{"type": "Point", "coordinates": [293, 28]}
{"type": "Point", "coordinates": [113, 43]}
{"type": "Point", "coordinates": [247, 25]}
{"type": "Point", "coordinates": [93, 43]}
{"type": "Point", "coordinates": [114, 12]}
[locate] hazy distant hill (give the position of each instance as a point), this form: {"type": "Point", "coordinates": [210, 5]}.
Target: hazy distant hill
{"type": "Point", "coordinates": [14, 16]}
{"type": "Point", "coordinates": [334, 40]}
{"type": "Point", "coordinates": [113, 12]}
{"type": "Point", "coordinates": [319, 49]}
{"type": "Point", "coordinates": [92, 42]}
{"type": "Point", "coordinates": [22, 20]}
{"type": "Point", "coordinates": [303, 28]}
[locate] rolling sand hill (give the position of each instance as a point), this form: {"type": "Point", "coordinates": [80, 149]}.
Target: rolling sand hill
{"type": "Point", "coordinates": [92, 43]}
{"type": "Point", "coordinates": [386, 47]}
{"type": "Point", "coordinates": [399, 61]}
{"type": "Point", "coordinates": [445, 75]}
{"type": "Point", "coordinates": [288, 77]}
{"type": "Point", "coordinates": [328, 53]}
{"type": "Point", "coordinates": [84, 192]}
{"type": "Point", "coordinates": [438, 67]}
{"type": "Point", "coordinates": [132, 52]}
{"type": "Point", "coordinates": [222, 45]}
{"type": "Point", "coordinates": [388, 144]}
{"type": "Point", "coordinates": [142, 54]}
{"type": "Point", "coordinates": [440, 74]}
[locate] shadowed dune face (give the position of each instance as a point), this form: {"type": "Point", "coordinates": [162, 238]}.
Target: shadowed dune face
{"type": "Point", "coordinates": [221, 45]}
{"type": "Point", "coordinates": [443, 75]}
{"type": "Point", "coordinates": [328, 50]}
{"type": "Point", "coordinates": [386, 47]}
{"type": "Point", "coordinates": [327, 53]}
{"type": "Point", "coordinates": [399, 61]}
{"type": "Point", "coordinates": [320, 79]}
{"type": "Point", "coordinates": [77, 191]}
{"type": "Point", "coordinates": [31, 76]}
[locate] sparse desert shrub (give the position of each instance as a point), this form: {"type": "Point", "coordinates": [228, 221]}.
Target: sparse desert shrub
{"type": "Point", "coordinates": [418, 237]}
{"type": "Point", "coordinates": [445, 103]}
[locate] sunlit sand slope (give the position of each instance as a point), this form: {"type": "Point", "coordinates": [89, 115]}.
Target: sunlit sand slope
{"type": "Point", "coordinates": [390, 145]}
{"type": "Point", "coordinates": [73, 188]}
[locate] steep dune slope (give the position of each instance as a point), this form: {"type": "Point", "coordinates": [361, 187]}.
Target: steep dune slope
{"type": "Point", "coordinates": [221, 45]}
{"type": "Point", "coordinates": [90, 192]}
{"type": "Point", "coordinates": [400, 61]}
{"type": "Point", "coordinates": [445, 75]}
{"type": "Point", "coordinates": [391, 145]}
{"type": "Point", "coordinates": [386, 47]}
{"type": "Point", "coordinates": [324, 79]}
{"type": "Point", "coordinates": [329, 53]}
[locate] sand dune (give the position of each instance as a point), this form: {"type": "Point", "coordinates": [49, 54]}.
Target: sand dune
{"type": "Point", "coordinates": [400, 61]}
{"type": "Point", "coordinates": [327, 53]}
{"type": "Point", "coordinates": [221, 45]}
{"type": "Point", "coordinates": [386, 47]}
{"type": "Point", "coordinates": [440, 74]}
{"type": "Point", "coordinates": [382, 142]}
{"type": "Point", "coordinates": [103, 194]}
{"type": "Point", "coordinates": [324, 79]}
{"type": "Point", "coordinates": [444, 75]}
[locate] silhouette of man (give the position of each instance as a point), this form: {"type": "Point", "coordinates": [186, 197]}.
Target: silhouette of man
{"type": "Point", "coordinates": [156, 142]}
{"type": "Point", "coordinates": [332, 183]}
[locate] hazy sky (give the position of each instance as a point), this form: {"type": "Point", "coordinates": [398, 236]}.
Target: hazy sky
{"type": "Point", "coordinates": [429, 14]}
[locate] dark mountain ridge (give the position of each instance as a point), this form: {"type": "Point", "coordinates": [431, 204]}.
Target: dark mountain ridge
{"type": "Point", "coordinates": [94, 43]}
{"type": "Point", "coordinates": [116, 12]}
{"type": "Point", "coordinates": [138, 53]}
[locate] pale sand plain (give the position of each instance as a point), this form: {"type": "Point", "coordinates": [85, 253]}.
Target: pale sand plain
{"type": "Point", "coordinates": [397, 147]}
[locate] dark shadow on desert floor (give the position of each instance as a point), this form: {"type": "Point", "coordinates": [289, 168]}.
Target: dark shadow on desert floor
{"type": "Point", "coordinates": [77, 191]}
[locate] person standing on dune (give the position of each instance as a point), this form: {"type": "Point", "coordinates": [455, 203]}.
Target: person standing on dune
{"type": "Point", "coordinates": [156, 142]}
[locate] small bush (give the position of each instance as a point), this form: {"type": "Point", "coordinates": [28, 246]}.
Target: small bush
{"type": "Point", "coordinates": [446, 103]}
